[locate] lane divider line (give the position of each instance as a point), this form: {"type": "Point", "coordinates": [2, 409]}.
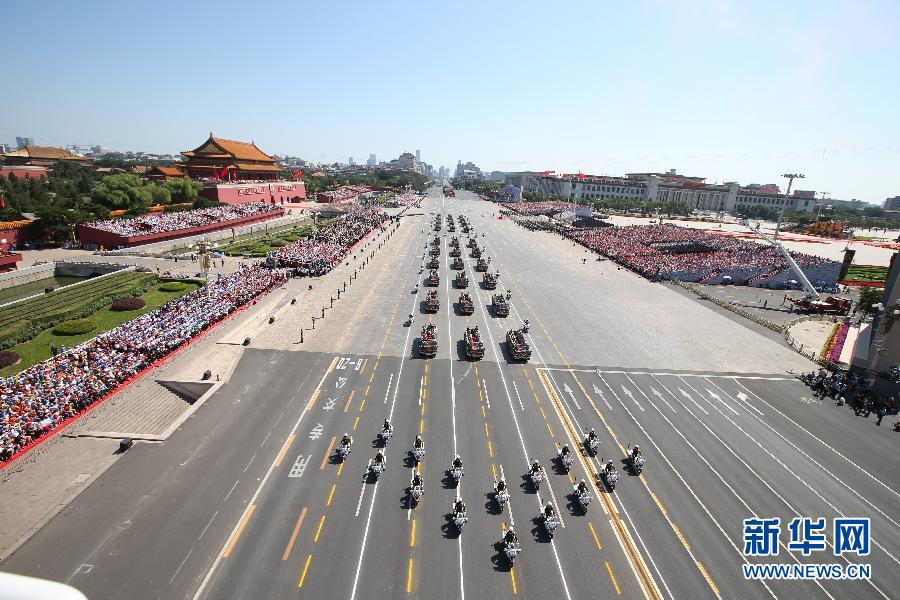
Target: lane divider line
{"type": "Point", "coordinates": [240, 530]}
{"type": "Point", "coordinates": [287, 550]}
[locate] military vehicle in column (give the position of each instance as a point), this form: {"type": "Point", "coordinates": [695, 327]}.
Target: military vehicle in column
{"type": "Point", "coordinates": [457, 264]}
{"type": "Point", "coordinates": [428, 342]}
{"type": "Point", "coordinates": [432, 303]}
{"type": "Point", "coordinates": [481, 266]}
{"type": "Point", "coordinates": [434, 263]}
{"type": "Point", "coordinates": [473, 343]}
{"type": "Point", "coordinates": [501, 308]}
{"type": "Point", "coordinates": [466, 306]}
{"type": "Point", "coordinates": [433, 279]}
{"type": "Point", "coordinates": [476, 251]}
{"type": "Point", "coordinates": [489, 281]}
{"type": "Point", "coordinates": [518, 347]}
{"type": "Point", "coordinates": [462, 282]}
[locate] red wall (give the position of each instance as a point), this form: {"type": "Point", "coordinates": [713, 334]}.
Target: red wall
{"type": "Point", "coordinates": [24, 173]}
{"type": "Point", "coordinates": [15, 236]}
{"type": "Point", "coordinates": [275, 192]}
{"type": "Point", "coordinates": [8, 262]}
{"type": "Point", "coordinates": [107, 239]}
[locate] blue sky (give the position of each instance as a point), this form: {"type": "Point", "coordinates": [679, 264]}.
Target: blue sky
{"type": "Point", "coordinates": [727, 90]}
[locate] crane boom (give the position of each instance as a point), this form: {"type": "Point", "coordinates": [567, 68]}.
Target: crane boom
{"type": "Point", "coordinates": [811, 292]}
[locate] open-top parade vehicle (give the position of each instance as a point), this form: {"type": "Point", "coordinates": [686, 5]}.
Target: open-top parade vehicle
{"type": "Point", "coordinates": [466, 306]}
{"type": "Point", "coordinates": [434, 263]}
{"type": "Point", "coordinates": [428, 341]}
{"type": "Point", "coordinates": [461, 280]}
{"type": "Point", "coordinates": [473, 343]}
{"type": "Point", "coordinates": [481, 266]}
{"type": "Point", "coordinates": [433, 278]}
{"type": "Point", "coordinates": [436, 241]}
{"type": "Point", "coordinates": [454, 241]}
{"type": "Point", "coordinates": [457, 264]}
{"type": "Point", "coordinates": [451, 227]}
{"type": "Point", "coordinates": [501, 308]}
{"type": "Point", "coordinates": [435, 251]}
{"type": "Point", "coordinates": [471, 243]}
{"type": "Point", "coordinates": [476, 252]}
{"type": "Point", "coordinates": [432, 303]}
{"type": "Point", "coordinates": [454, 251]}
{"type": "Point", "coordinates": [489, 281]}
{"type": "Point", "coordinates": [518, 347]}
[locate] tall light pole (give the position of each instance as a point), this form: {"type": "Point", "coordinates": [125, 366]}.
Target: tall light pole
{"type": "Point", "coordinates": [790, 177]}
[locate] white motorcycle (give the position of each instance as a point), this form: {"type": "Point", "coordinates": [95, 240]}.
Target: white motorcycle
{"type": "Point", "coordinates": [592, 444]}
{"type": "Point", "coordinates": [502, 498]}
{"type": "Point", "coordinates": [418, 453]}
{"type": "Point", "coordinates": [566, 460]}
{"type": "Point", "coordinates": [550, 523]}
{"type": "Point", "coordinates": [460, 519]}
{"type": "Point", "coordinates": [637, 463]}
{"type": "Point", "coordinates": [512, 550]}
{"type": "Point", "coordinates": [385, 435]}
{"type": "Point", "coordinates": [584, 498]}
{"type": "Point", "coordinates": [344, 451]}
{"type": "Point", "coordinates": [416, 492]}
{"type": "Point", "coordinates": [456, 473]}
{"type": "Point", "coordinates": [377, 468]}
{"type": "Point", "coordinates": [537, 477]}
{"type": "Point", "coordinates": [611, 477]}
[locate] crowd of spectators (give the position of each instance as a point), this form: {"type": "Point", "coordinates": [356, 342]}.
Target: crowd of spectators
{"type": "Point", "coordinates": [347, 192]}
{"type": "Point", "coordinates": [320, 252]}
{"type": "Point", "coordinates": [40, 398]}
{"type": "Point", "coordinates": [672, 252]}
{"type": "Point", "coordinates": [165, 222]}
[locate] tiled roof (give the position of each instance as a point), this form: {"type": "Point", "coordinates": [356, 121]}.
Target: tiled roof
{"type": "Point", "coordinates": [44, 152]}
{"type": "Point", "coordinates": [233, 149]}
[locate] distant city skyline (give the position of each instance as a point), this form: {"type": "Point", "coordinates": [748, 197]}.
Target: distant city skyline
{"type": "Point", "coordinates": [719, 89]}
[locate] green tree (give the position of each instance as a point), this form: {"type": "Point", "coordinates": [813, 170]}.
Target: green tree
{"type": "Point", "coordinates": [123, 191]}
{"type": "Point", "coordinates": [159, 194]}
{"type": "Point", "coordinates": [56, 224]}
{"type": "Point", "coordinates": [869, 296]}
{"type": "Point", "coordinates": [182, 189]}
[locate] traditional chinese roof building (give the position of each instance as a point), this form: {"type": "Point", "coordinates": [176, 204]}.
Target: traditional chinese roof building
{"type": "Point", "coordinates": [41, 156]}
{"type": "Point", "coordinates": [218, 158]}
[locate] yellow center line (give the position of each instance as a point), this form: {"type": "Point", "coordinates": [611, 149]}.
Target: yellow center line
{"type": "Point", "coordinates": [551, 431]}
{"type": "Point", "coordinates": [362, 405]}
{"type": "Point", "coordinates": [486, 430]}
{"type": "Point", "coordinates": [490, 449]}
{"type": "Point", "coordinates": [512, 578]}
{"type": "Point", "coordinates": [319, 530]}
{"type": "Point", "coordinates": [613, 577]}
{"type": "Point", "coordinates": [494, 471]}
{"type": "Point", "coordinates": [331, 494]}
{"type": "Point", "coordinates": [284, 449]}
{"type": "Point", "coordinates": [287, 551]}
{"type": "Point", "coordinates": [409, 571]}
{"type": "Point", "coordinates": [355, 423]}
{"type": "Point", "coordinates": [327, 453]}
{"type": "Point", "coordinates": [423, 409]}
{"type": "Point", "coordinates": [412, 535]}
{"type": "Point", "coordinates": [483, 413]}
{"type": "Point", "coordinates": [303, 576]}
{"type": "Point", "coordinates": [367, 390]}
{"type": "Point", "coordinates": [421, 426]}
{"type": "Point", "coordinates": [240, 530]}
{"type": "Point", "coordinates": [340, 468]}
{"type": "Point", "coordinates": [312, 400]}
{"type": "Point", "coordinates": [594, 533]}
{"type": "Point", "coordinates": [543, 414]}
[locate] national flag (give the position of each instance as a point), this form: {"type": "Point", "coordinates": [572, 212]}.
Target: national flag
{"type": "Point", "coordinates": [2, 202]}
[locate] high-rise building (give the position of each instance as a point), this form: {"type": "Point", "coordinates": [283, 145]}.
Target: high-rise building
{"type": "Point", "coordinates": [21, 142]}
{"type": "Point", "coordinates": [371, 161]}
{"type": "Point", "coordinates": [418, 156]}
{"type": "Point", "coordinates": [350, 161]}
{"type": "Point", "coordinates": [407, 162]}
{"type": "Point", "coordinates": [891, 203]}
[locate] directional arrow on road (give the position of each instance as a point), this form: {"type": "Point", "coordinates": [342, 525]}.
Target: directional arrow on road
{"type": "Point", "coordinates": [568, 390]}
{"type": "Point", "coordinates": [656, 393]}
{"type": "Point", "coordinates": [628, 393]}
{"type": "Point", "coordinates": [745, 399]}
{"type": "Point", "coordinates": [688, 396]}
{"type": "Point", "coordinates": [599, 392]}
{"type": "Point", "coordinates": [720, 401]}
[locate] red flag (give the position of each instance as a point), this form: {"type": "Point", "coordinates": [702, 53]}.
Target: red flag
{"type": "Point", "coordinates": [581, 175]}
{"type": "Point", "coordinates": [2, 202]}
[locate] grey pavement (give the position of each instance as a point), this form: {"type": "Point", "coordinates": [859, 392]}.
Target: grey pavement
{"type": "Point", "coordinates": [247, 500]}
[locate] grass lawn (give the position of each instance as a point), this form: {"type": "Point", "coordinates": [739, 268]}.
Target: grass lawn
{"type": "Point", "coordinates": [38, 349]}
{"type": "Point", "coordinates": [866, 274]}
{"type": "Point", "coordinates": [260, 246]}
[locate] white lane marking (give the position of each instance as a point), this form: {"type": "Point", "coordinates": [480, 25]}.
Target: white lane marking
{"type": "Point", "coordinates": [821, 441]}
{"type": "Point", "coordinates": [362, 548]}
{"type": "Point", "coordinates": [746, 400]}
{"type": "Point", "coordinates": [712, 394]}
{"type": "Point", "coordinates": [568, 391]}
{"type": "Point", "coordinates": [252, 458]}
{"type": "Point", "coordinates": [630, 563]}
{"type": "Point", "coordinates": [361, 492]}
{"type": "Point", "coordinates": [600, 393]}
{"type": "Point", "coordinates": [562, 575]}
{"type": "Point", "coordinates": [231, 490]}
{"type": "Point", "coordinates": [655, 373]}
{"type": "Point", "coordinates": [207, 525]}
{"type": "Point", "coordinates": [628, 393]}
{"type": "Point", "coordinates": [728, 485]}
{"type": "Point", "coordinates": [421, 387]}
{"type": "Point", "coordinates": [262, 483]}
{"type": "Point", "coordinates": [518, 397]}
{"type": "Point", "coordinates": [689, 397]}
{"type": "Point", "coordinates": [178, 570]}
{"type": "Point", "coordinates": [487, 398]}
{"type": "Point", "coordinates": [264, 439]}
{"type": "Point", "coordinates": [391, 378]}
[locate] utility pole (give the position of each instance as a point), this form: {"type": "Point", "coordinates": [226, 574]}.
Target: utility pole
{"type": "Point", "coordinates": [790, 177]}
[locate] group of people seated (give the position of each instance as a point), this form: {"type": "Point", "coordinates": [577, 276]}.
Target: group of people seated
{"type": "Point", "coordinates": [165, 222]}
{"type": "Point", "coordinates": [320, 252]}
{"type": "Point", "coordinates": [38, 399]}
{"type": "Point", "coordinates": [671, 252]}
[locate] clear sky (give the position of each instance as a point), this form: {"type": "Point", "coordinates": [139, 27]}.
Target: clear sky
{"type": "Point", "coordinates": [737, 91]}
